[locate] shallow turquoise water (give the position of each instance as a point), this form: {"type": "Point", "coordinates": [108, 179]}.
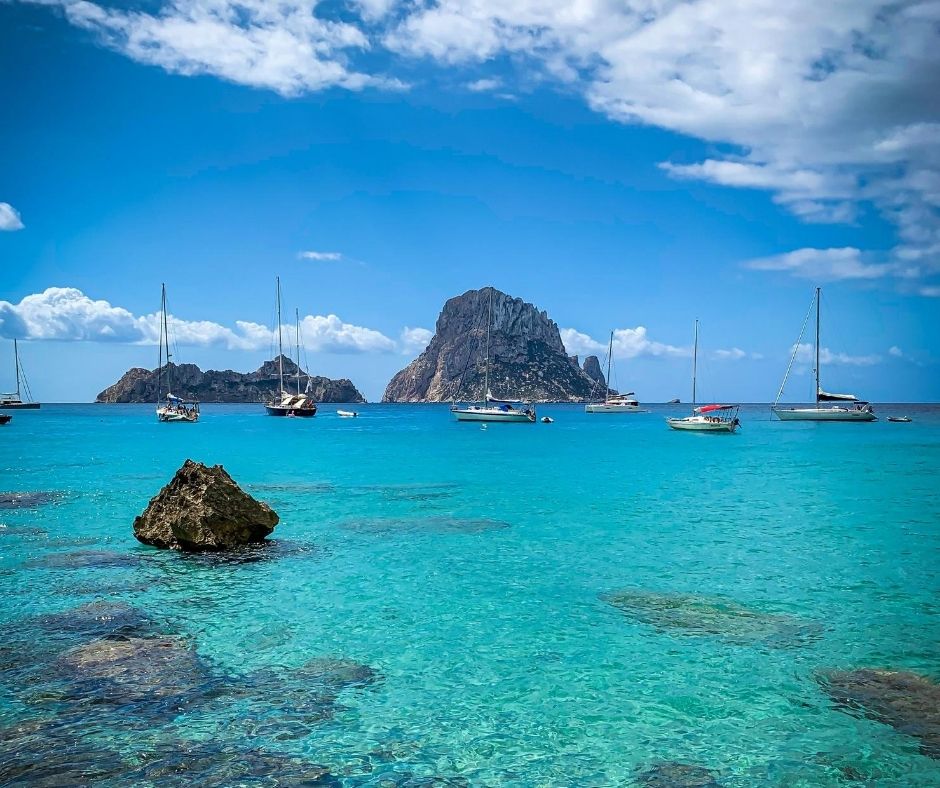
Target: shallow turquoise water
{"type": "Point", "coordinates": [468, 567]}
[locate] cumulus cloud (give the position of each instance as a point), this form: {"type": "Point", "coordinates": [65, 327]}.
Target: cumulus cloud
{"type": "Point", "coordinates": [321, 256]}
{"type": "Point", "coordinates": [823, 265]}
{"type": "Point", "coordinates": [732, 354]}
{"type": "Point", "coordinates": [414, 340]}
{"type": "Point", "coordinates": [895, 351]}
{"type": "Point", "coordinates": [805, 355]}
{"type": "Point", "coordinates": [9, 218]}
{"type": "Point", "coordinates": [283, 46]}
{"type": "Point", "coordinates": [67, 314]}
{"type": "Point", "coordinates": [628, 343]}
{"type": "Point", "coordinates": [825, 106]}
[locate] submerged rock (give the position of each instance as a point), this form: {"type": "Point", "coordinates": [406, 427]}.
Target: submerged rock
{"type": "Point", "coordinates": [906, 701]}
{"type": "Point", "coordinates": [467, 525]}
{"type": "Point", "coordinates": [134, 669]}
{"type": "Point", "coordinates": [96, 619]}
{"type": "Point", "coordinates": [26, 500]}
{"type": "Point", "coordinates": [701, 615]}
{"type": "Point", "coordinates": [202, 508]}
{"type": "Point", "coordinates": [673, 774]}
{"type": "Point", "coordinates": [87, 559]}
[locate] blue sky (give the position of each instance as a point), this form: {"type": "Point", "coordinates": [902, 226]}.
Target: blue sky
{"type": "Point", "coordinates": [628, 167]}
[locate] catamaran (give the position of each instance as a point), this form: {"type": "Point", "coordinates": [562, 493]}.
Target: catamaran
{"type": "Point", "coordinates": [493, 409]}
{"type": "Point", "coordinates": [707, 418]}
{"type": "Point", "coordinates": [14, 401]}
{"type": "Point", "coordinates": [173, 409]}
{"type": "Point", "coordinates": [285, 403]}
{"type": "Point", "coordinates": [613, 403]}
{"type": "Point", "coordinates": [829, 407]}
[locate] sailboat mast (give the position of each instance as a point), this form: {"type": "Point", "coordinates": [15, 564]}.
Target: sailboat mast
{"type": "Point", "coordinates": [280, 340]}
{"type": "Point", "coordinates": [694, 365]}
{"type": "Point", "coordinates": [610, 350]}
{"type": "Point", "coordinates": [486, 370]}
{"type": "Point", "coordinates": [818, 291]}
{"type": "Point", "coordinates": [16, 360]}
{"type": "Point", "coordinates": [297, 319]}
{"type": "Point", "coordinates": [166, 340]}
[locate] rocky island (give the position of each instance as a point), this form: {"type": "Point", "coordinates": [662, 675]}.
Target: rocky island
{"type": "Point", "coordinates": [190, 382]}
{"type": "Point", "coordinates": [527, 357]}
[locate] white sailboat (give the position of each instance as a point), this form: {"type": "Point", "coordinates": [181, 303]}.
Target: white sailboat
{"type": "Point", "coordinates": [173, 409]}
{"type": "Point", "coordinates": [829, 407]}
{"type": "Point", "coordinates": [617, 403]}
{"type": "Point", "coordinates": [14, 400]}
{"type": "Point", "coordinates": [493, 409]}
{"type": "Point", "coordinates": [285, 403]}
{"type": "Point", "coordinates": [707, 418]}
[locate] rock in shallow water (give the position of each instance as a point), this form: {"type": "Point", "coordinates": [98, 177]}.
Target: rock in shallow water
{"type": "Point", "coordinates": [673, 774]}
{"type": "Point", "coordinates": [906, 701]}
{"type": "Point", "coordinates": [466, 525]}
{"type": "Point", "coordinates": [26, 500]}
{"type": "Point", "coordinates": [202, 508]}
{"type": "Point", "coordinates": [701, 615]}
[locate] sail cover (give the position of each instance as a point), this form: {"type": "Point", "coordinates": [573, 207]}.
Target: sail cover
{"type": "Point", "coordinates": [712, 408]}
{"type": "Point", "coordinates": [491, 398]}
{"type": "Point", "coordinates": [825, 396]}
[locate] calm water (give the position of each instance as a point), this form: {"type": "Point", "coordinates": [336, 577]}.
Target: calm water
{"type": "Point", "coordinates": [468, 568]}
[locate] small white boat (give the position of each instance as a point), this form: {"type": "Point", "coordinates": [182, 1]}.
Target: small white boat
{"type": "Point", "coordinates": [829, 407]}
{"type": "Point", "coordinates": [506, 412]}
{"type": "Point", "coordinates": [613, 403]}
{"type": "Point", "coordinates": [297, 404]}
{"type": "Point", "coordinates": [14, 401]}
{"type": "Point", "coordinates": [174, 410]}
{"type": "Point", "coordinates": [707, 418]}
{"type": "Point", "coordinates": [900, 419]}
{"type": "Point", "coordinates": [347, 414]}
{"type": "Point", "coordinates": [492, 409]}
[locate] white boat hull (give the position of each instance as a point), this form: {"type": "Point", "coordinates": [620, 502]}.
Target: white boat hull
{"type": "Point", "coordinates": [173, 416]}
{"type": "Point", "coordinates": [703, 424]}
{"type": "Point", "coordinates": [604, 407]}
{"type": "Point", "coordinates": [494, 414]}
{"type": "Point", "coordinates": [823, 414]}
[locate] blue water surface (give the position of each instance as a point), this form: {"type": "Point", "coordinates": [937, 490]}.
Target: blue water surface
{"type": "Point", "coordinates": [472, 570]}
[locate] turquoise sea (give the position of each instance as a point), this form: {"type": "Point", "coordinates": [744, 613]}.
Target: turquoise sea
{"type": "Point", "coordinates": [596, 602]}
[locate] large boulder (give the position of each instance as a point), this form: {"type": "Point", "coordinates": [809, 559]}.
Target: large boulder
{"type": "Point", "coordinates": [202, 508]}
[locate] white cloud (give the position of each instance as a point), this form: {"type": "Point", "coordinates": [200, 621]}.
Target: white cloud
{"type": "Point", "coordinates": [484, 85]}
{"type": "Point", "coordinates": [823, 265]}
{"type": "Point", "coordinates": [825, 106]}
{"type": "Point", "coordinates": [895, 351]}
{"type": "Point", "coordinates": [805, 354]}
{"type": "Point", "coordinates": [324, 256]}
{"type": "Point", "coordinates": [65, 313]}
{"type": "Point", "coordinates": [628, 343]}
{"type": "Point", "coordinates": [733, 354]}
{"type": "Point", "coordinates": [930, 291]}
{"type": "Point", "coordinates": [9, 218]}
{"type": "Point", "coordinates": [285, 46]}
{"type": "Point", "coordinates": [414, 340]}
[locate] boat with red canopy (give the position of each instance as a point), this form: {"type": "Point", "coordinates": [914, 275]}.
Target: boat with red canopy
{"type": "Point", "coordinates": [706, 418]}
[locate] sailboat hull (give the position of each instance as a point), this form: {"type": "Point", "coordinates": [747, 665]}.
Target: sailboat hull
{"type": "Point", "coordinates": [494, 414]}
{"type": "Point", "coordinates": [823, 414]}
{"type": "Point", "coordinates": [278, 410]}
{"type": "Point", "coordinates": [19, 406]}
{"type": "Point", "coordinates": [172, 416]}
{"type": "Point", "coordinates": [703, 424]}
{"type": "Point", "coordinates": [602, 407]}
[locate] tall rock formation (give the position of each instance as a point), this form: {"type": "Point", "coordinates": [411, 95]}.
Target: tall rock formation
{"type": "Point", "coordinates": [140, 385]}
{"type": "Point", "coordinates": [592, 368]}
{"type": "Point", "coordinates": [527, 357]}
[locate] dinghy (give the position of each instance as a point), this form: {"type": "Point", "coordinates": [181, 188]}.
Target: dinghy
{"type": "Point", "coordinates": [899, 419]}
{"type": "Point", "coordinates": [347, 414]}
